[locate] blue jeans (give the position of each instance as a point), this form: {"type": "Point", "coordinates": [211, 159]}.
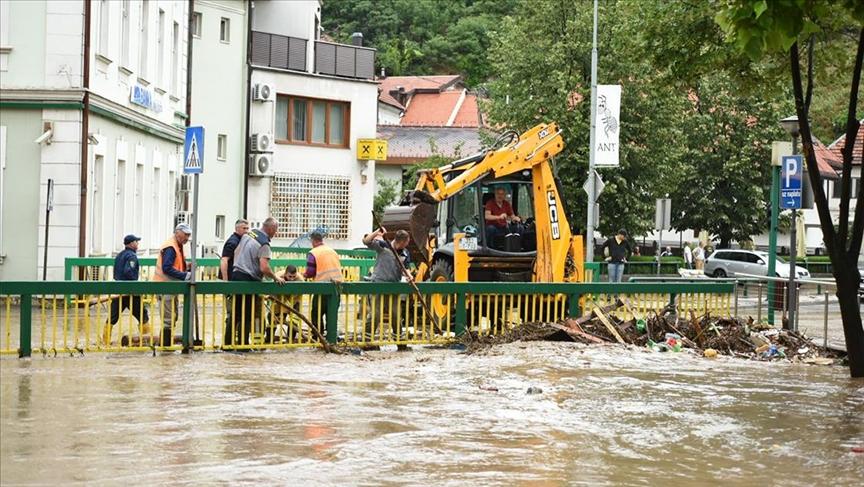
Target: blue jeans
{"type": "Point", "coordinates": [616, 271]}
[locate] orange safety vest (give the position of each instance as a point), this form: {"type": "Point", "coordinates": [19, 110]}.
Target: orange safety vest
{"type": "Point", "coordinates": [327, 266]}
{"type": "Point", "coordinates": [179, 261]}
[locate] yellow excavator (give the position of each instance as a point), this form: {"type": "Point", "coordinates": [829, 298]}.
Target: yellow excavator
{"type": "Point", "coordinates": [451, 239]}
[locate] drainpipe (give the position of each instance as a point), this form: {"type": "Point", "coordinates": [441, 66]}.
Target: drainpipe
{"type": "Point", "coordinates": [250, 9]}
{"type": "Point", "coordinates": [85, 129]}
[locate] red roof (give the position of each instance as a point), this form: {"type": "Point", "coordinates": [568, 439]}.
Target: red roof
{"type": "Point", "coordinates": [412, 84]}
{"type": "Point", "coordinates": [838, 145]}
{"type": "Point", "coordinates": [825, 160]}
{"type": "Point", "coordinates": [469, 112]}
{"type": "Point", "coordinates": [436, 110]}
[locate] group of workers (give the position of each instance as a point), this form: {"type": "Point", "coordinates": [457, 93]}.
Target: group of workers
{"type": "Point", "coordinates": [246, 257]}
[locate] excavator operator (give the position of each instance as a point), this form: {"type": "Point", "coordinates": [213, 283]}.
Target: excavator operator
{"type": "Point", "coordinates": [499, 215]}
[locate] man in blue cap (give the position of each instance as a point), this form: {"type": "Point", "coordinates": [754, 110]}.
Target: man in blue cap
{"type": "Point", "coordinates": [126, 269]}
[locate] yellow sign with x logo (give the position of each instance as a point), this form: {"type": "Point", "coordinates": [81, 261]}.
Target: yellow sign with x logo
{"type": "Point", "coordinates": [372, 149]}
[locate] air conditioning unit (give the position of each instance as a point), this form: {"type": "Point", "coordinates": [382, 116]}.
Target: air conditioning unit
{"type": "Point", "coordinates": [262, 92]}
{"type": "Point", "coordinates": [261, 165]}
{"type": "Point", "coordinates": [262, 142]}
{"type": "Point", "coordinates": [186, 182]}
{"type": "Point", "coordinates": [183, 217]}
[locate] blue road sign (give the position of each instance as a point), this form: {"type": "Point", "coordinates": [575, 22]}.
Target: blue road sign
{"type": "Point", "coordinates": [790, 182]}
{"type": "Point", "coordinates": [193, 151]}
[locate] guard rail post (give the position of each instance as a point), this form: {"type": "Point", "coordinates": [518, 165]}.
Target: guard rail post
{"type": "Point", "coordinates": [573, 309]}
{"type": "Point", "coordinates": [461, 317]}
{"type": "Point", "coordinates": [825, 325]}
{"type": "Point", "coordinates": [333, 315]}
{"type": "Point", "coordinates": [735, 313]}
{"type": "Point", "coordinates": [25, 326]}
{"type": "Point", "coordinates": [759, 305]}
{"type": "Point", "coordinates": [189, 306]}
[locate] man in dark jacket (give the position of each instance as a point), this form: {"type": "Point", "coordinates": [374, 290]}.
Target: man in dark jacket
{"type": "Point", "coordinates": [126, 269]}
{"type": "Point", "coordinates": [617, 251]}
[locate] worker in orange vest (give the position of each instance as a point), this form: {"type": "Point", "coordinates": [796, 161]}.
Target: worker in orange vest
{"type": "Point", "coordinates": [322, 265]}
{"type": "Point", "coordinates": [171, 266]}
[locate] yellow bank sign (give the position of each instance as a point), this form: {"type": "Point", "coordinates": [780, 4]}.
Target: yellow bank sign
{"type": "Point", "coordinates": [372, 149]}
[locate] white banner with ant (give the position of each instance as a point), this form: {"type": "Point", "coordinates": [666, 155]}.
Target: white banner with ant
{"type": "Point", "coordinates": [608, 126]}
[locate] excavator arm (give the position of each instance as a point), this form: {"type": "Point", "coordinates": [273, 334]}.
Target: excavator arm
{"type": "Point", "coordinates": [530, 151]}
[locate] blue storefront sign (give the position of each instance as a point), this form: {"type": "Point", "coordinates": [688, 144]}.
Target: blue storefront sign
{"type": "Point", "coordinates": [143, 97]}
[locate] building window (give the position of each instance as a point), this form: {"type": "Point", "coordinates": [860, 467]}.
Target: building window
{"type": "Point", "coordinates": [225, 30]}
{"type": "Point", "coordinates": [160, 49]}
{"type": "Point", "coordinates": [222, 147]}
{"type": "Point", "coordinates": [175, 57]}
{"type": "Point", "coordinates": [838, 188]}
{"type": "Point", "coordinates": [311, 121]}
{"type": "Point", "coordinates": [143, 44]}
{"type": "Point", "coordinates": [104, 24]}
{"type": "Point", "coordinates": [124, 21]}
{"type": "Point", "coordinates": [196, 24]}
{"type": "Point", "coordinates": [220, 227]}
{"type": "Point", "coordinates": [304, 203]}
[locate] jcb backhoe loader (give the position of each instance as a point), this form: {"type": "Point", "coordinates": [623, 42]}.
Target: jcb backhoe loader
{"type": "Point", "coordinates": [446, 219]}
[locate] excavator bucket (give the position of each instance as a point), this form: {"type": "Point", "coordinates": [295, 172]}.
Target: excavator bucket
{"type": "Point", "coordinates": [417, 220]}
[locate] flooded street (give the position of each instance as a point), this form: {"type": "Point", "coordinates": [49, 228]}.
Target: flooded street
{"type": "Point", "coordinates": [606, 415]}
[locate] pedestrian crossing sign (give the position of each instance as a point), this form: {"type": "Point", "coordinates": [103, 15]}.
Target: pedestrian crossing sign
{"type": "Point", "coordinates": [193, 151]}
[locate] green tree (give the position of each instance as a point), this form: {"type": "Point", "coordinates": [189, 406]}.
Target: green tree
{"type": "Point", "coordinates": [550, 81]}
{"type": "Point", "coordinates": [757, 27]}
{"type": "Point", "coordinates": [416, 37]}
{"type": "Point", "coordinates": [725, 178]}
{"type": "Point", "coordinates": [386, 195]}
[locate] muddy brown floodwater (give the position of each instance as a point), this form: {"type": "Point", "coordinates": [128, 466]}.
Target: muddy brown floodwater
{"type": "Point", "coordinates": [606, 415]}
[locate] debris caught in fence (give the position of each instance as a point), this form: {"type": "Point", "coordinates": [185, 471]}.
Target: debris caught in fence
{"type": "Point", "coordinates": [668, 332]}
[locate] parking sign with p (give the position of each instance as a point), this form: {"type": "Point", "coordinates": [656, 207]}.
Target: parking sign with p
{"type": "Point", "coordinates": [790, 182]}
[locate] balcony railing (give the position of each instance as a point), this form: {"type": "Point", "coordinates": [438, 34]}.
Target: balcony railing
{"type": "Point", "coordinates": [278, 51]}
{"type": "Point", "coordinates": [344, 60]}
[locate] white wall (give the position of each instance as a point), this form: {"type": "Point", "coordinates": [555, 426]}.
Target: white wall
{"type": "Point", "coordinates": [295, 18]}
{"type": "Point", "coordinates": [388, 115]}
{"type": "Point", "coordinates": [218, 104]}
{"type": "Point", "coordinates": [113, 72]}
{"type": "Point", "coordinates": [363, 96]}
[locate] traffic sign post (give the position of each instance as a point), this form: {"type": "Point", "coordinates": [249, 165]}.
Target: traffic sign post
{"type": "Point", "coordinates": [792, 169]}
{"type": "Point", "coordinates": [193, 163]}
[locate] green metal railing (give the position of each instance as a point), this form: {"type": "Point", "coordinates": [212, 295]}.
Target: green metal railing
{"type": "Point", "coordinates": [467, 304]}
{"type": "Point", "coordinates": [101, 268]}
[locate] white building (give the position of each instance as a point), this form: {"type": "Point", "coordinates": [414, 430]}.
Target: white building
{"type": "Point", "coordinates": [115, 100]}
{"type": "Point", "coordinates": [219, 81]}
{"type": "Point", "coordinates": [311, 101]}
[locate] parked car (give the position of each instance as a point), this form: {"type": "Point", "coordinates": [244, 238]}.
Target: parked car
{"type": "Point", "coordinates": [729, 263]}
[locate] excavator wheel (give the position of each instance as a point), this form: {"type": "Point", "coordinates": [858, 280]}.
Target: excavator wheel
{"type": "Point", "coordinates": [442, 271]}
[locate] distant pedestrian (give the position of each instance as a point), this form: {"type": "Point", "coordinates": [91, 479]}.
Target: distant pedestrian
{"type": "Point", "coordinates": [251, 264]}
{"type": "Point", "coordinates": [637, 252]}
{"type": "Point", "coordinates": [171, 266]}
{"type": "Point", "coordinates": [126, 269]}
{"type": "Point", "coordinates": [667, 252]}
{"type": "Point", "coordinates": [699, 256]}
{"type": "Point", "coordinates": [617, 251]}
{"type": "Point", "coordinates": [688, 256]}
{"type": "Point", "coordinates": [322, 265]}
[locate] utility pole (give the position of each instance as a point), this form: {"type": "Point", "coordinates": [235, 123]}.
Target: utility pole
{"type": "Point", "coordinates": [793, 242]}
{"type": "Point", "coordinates": [592, 179]}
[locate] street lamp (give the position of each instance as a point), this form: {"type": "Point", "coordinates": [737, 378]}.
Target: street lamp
{"type": "Point", "coordinates": [790, 125]}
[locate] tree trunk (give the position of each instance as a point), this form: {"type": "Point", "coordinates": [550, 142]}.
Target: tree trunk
{"type": "Point", "coordinates": [843, 260]}
{"type": "Point", "coordinates": [847, 294]}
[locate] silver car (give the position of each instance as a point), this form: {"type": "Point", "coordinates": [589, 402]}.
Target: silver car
{"type": "Point", "coordinates": [729, 263]}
